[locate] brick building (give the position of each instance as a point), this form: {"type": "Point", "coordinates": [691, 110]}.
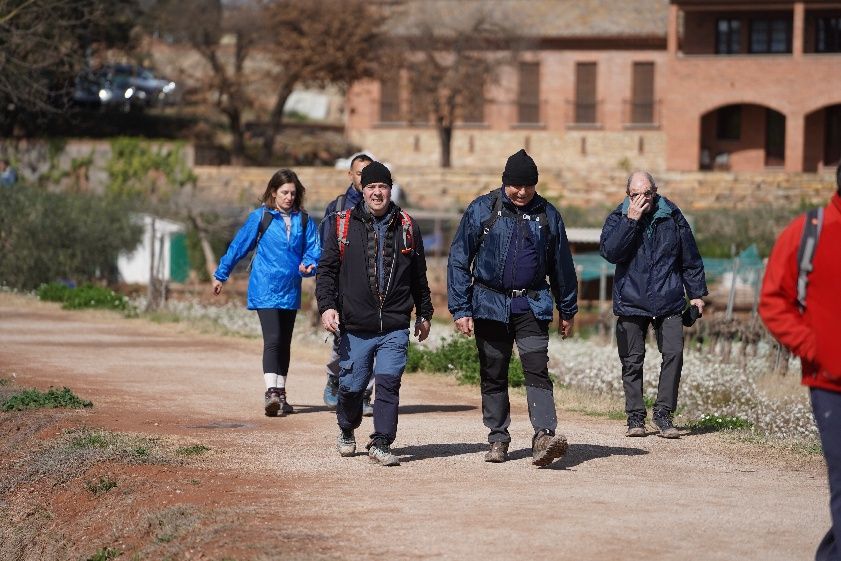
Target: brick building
{"type": "Point", "coordinates": [681, 85]}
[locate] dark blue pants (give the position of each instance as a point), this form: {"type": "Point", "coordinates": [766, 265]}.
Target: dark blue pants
{"type": "Point", "coordinates": [826, 406]}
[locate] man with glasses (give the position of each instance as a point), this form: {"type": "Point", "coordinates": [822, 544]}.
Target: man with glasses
{"type": "Point", "coordinates": [658, 268]}
{"type": "Point", "coordinates": [372, 273]}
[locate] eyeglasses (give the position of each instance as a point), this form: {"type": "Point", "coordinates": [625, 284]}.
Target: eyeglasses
{"type": "Point", "coordinates": [646, 194]}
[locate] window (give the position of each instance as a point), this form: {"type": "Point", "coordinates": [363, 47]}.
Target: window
{"type": "Point", "coordinates": [585, 93]}
{"type": "Point", "coordinates": [473, 102]}
{"type": "Point", "coordinates": [775, 138]}
{"type": "Point", "coordinates": [770, 36]}
{"type": "Point", "coordinates": [729, 122]}
{"type": "Point", "coordinates": [389, 101]}
{"type": "Point", "coordinates": [828, 36]}
{"type": "Point", "coordinates": [642, 93]}
{"type": "Point", "coordinates": [728, 36]}
{"type": "Point", "coordinates": [528, 100]}
{"type": "Point", "coordinates": [419, 103]}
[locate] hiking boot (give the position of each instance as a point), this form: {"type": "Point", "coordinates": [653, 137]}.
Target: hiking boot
{"type": "Point", "coordinates": [636, 426]}
{"type": "Point", "coordinates": [272, 403]}
{"type": "Point", "coordinates": [367, 408]}
{"type": "Point", "coordinates": [498, 453]}
{"type": "Point", "coordinates": [331, 392]}
{"type": "Point", "coordinates": [380, 452]}
{"type": "Point", "coordinates": [285, 407]}
{"type": "Point", "coordinates": [663, 422]}
{"type": "Point", "coordinates": [546, 448]}
{"type": "Point", "coordinates": [346, 443]}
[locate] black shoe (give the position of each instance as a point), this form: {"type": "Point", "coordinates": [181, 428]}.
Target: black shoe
{"type": "Point", "coordinates": [663, 422]}
{"type": "Point", "coordinates": [285, 407]}
{"type": "Point", "coordinates": [636, 426]}
{"type": "Point", "coordinates": [272, 402]}
{"type": "Point", "coordinates": [498, 453]}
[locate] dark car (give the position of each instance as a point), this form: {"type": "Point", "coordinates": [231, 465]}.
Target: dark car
{"type": "Point", "coordinates": [148, 89]}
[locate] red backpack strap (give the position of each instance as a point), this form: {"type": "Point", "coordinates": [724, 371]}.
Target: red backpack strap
{"type": "Point", "coordinates": [408, 241]}
{"type": "Point", "coordinates": [342, 226]}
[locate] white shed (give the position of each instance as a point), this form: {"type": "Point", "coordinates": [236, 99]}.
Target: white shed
{"type": "Point", "coordinates": [170, 252]}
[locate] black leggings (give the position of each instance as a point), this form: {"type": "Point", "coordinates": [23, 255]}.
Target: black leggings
{"type": "Point", "coordinates": [277, 327]}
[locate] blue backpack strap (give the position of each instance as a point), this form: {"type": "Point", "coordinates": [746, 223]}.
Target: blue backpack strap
{"type": "Point", "coordinates": [806, 252]}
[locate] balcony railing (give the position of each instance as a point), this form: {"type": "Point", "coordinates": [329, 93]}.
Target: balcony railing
{"type": "Point", "coordinates": [641, 114]}
{"type": "Point", "coordinates": [584, 114]}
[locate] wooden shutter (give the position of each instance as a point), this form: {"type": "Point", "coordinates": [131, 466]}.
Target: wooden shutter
{"type": "Point", "coordinates": [528, 103]}
{"type": "Point", "coordinates": [642, 95]}
{"type": "Point", "coordinates": [585, 92]}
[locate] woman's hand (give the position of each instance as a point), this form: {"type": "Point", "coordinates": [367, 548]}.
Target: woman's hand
{"type": "Point", "coordinates": [217, 286]}
{"type": "Point", "coordinates": [305, 270]}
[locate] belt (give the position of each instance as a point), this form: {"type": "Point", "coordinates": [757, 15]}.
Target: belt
{"type": "Point", "coordinates": [515, 293]}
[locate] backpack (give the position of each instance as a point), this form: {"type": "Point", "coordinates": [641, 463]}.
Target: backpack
{"type": "Point", "coordinates": [343, 225]}
{"type": "Point", "coordinates": [266, 220]}
{"type": "Point", "coordinates": [806, 252]}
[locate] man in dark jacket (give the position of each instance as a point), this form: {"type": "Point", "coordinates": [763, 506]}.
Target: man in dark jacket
{"type": "Point", "coordinates": [507, 243]}
{"type": "Point", "coordinates": [657, 268]}
{"type": "Point", "coordinates": [346, 201]}
{"type": "Point", "coordinates": [372, 273]}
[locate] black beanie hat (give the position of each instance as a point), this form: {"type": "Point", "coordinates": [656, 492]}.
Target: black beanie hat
{"type": "Point", "coordinates": [520, 170]}
{"type": "Point", "coordinates": [375, 172]}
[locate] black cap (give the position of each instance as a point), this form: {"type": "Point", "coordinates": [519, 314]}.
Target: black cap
{"type": "Point", "coordinates": [375, 172]}
{"type": "Point", "coordinates": [520, 170]}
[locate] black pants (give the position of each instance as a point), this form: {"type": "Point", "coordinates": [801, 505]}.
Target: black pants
{"type": "Point", "coordinates": [495, 340]}
{"type": "Point", "coordinates": [826, 406]}
{"type": "Point", "coordinates": [630, 339]}
{"type": "Point", "coordinates": [277, 327]}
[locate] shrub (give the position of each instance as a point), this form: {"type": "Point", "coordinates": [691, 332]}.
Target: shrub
{"type": "Point", "coordinates": [719, 422]}
{"type": "Point", "coordinates": [194, 450]}
{"type": "Point", "coordinates": [102, 485]}
{"type": "Point", "coordinates": [34, 399]}
{"type": "Point", "coordinates": [458, 355]}
{"type": "Point", "coordinates": [105, 554]}
{"type": "Point", "coordinates": [86, 296]}
{"type": "Point", "coordinates": [53, 292]}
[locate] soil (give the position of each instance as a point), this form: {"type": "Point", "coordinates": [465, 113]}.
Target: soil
{"type": "Point", "coordinates": [276, 488]}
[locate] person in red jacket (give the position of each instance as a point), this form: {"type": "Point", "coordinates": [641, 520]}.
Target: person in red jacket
{"type": "Point", "coordinates": [812, 333]}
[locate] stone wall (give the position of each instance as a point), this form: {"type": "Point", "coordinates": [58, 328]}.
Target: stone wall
{"type": "Point", "coordinates": [448, 190]}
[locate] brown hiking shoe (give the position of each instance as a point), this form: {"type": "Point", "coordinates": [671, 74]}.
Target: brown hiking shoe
{"type": "Point", "coordinates": [498, 453]}
{"type": "Point", "coordinates": [665, 426]}
{"type": "Point", "coordinates": [546, 448]}
{"type": "Point", "coordinates": [636, 426]}
{"type": "Point", "coordinates": [285, 408]}
{"type": "Point", "coordinates": [272, 402]}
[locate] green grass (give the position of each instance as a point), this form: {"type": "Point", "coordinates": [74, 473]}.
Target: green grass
{"type": "Point", "coordinates": [104, 554]}
{"type": "Point", "coordinates": [194, 450]}
{"type": "Point", "coordinates": [101, 485]}
{"type": "Point", "coordinates": [52, 398]}
{"type": "Point", "coordinates": [459, 356]}
{"type": "Point", "coordinates": [718, 422]}
{"type": "Point", "coordinates": [85, 296]}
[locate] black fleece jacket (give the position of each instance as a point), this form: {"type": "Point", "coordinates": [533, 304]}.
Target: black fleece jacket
{"type": "Point", "coordinates": [350, 285]}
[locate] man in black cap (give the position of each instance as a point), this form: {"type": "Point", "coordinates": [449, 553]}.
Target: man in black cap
{"type": "Point", "coordinates": [371, 274]}
{"type": "Point", "coordinates": [508, 243]}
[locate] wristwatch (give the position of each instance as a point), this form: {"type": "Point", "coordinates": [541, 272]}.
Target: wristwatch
{"type": "Point", "coordinates": [421, 319]}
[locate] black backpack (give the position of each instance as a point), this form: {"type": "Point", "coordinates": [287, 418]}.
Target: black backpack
{"type": "Point", "coordinates": [806, 252]}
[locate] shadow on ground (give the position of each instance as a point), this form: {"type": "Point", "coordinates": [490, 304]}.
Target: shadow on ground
{"type": "Point", "coordinates": [427, 451]}
{"type": "Point", "coordinates": [580, 453]}
{"type": "Point", "coordinates": [432, 408]}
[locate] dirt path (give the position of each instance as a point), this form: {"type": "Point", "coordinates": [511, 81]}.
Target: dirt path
{"type": "Point", "coordinates": [277, 489]}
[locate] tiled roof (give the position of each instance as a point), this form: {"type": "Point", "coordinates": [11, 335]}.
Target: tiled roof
{"type": "Point", "coordinates": [545, 19]}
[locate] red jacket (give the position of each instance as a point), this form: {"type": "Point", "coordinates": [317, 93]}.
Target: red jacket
{"type": "Point", "coordinates": [815, 335]}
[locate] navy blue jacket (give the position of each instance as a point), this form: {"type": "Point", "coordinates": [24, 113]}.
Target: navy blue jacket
{"type": "Point", "coordinates": [657, 265]}
{"type": "Point", "coordinates": [352, 198]}
{"type": "Point", "coordinates": [485, 265]}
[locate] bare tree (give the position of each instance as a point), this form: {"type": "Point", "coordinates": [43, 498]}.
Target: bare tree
{"type": "Point", "coordinates": [316, 43]}
{"type": "Point", "coordinates": [224, 37]}
{"type": "Point", "coordinates": [451, 59]}
{"type": "Point", "coordinates": [44, 43]}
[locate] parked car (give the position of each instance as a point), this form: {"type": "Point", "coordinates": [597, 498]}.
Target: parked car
{"type": "Point", "coordinates": [148, 89]}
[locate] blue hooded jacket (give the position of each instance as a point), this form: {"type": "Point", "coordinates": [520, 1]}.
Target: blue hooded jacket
{"type": "Point", "coordinates": [484, 299]}
{"type": "Point", "coordinates": [275, 281]}
{"type": "Point", "coordinates": [657, 261]}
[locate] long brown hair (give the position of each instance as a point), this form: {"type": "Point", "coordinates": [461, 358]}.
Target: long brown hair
{"type": "Point", "coordinates": [282, 177]}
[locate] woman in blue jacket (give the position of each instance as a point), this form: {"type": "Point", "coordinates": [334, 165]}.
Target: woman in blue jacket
{"type": "Point", "coordinates": [286, 248]}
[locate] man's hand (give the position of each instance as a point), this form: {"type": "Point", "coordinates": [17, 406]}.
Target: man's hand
{"type": "Point", "coordinates": [305, 270]}
{"type": "Point", "coordinates": [697, 302]}
{"type": "Point", "coordinates": [465, 326]}
{"type": "Point", "coordinates": [330, 320]}
{"type": "Point", "coordinates": [422, 330]}
{"type": "Point", "coordinates": [565, 327]}
{"type": "Point", "coordinates": [217, 286]}
{"type": "Point", "coordinates": [639, 206]}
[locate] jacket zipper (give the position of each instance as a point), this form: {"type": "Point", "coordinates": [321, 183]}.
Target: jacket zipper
{"type": "Point", "coordinates": [388, 281]}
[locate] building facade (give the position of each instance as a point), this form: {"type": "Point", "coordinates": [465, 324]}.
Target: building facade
{"type": "Point", "coordinates": [682, 85]}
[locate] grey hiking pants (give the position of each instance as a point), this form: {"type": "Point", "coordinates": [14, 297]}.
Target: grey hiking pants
{"type": "Point", "coordinates": [494, 341]}
{"type": "Point", "coordinates": [630, 339]}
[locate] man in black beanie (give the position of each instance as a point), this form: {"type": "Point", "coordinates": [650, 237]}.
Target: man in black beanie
{"type": "Point", "coordinates": [509, 242]}
{"type": "Point", "coordinates": [372, 273]}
